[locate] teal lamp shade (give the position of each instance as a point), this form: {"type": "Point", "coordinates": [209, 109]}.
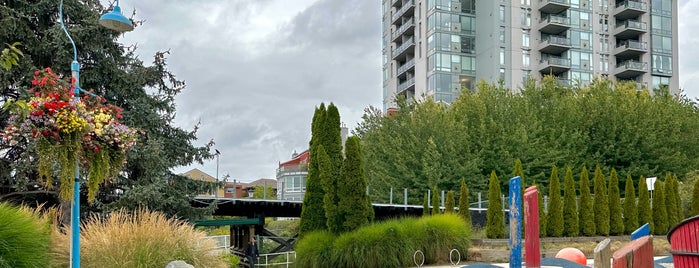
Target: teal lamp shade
{"type": "Point", "coordinates": [116, 21]}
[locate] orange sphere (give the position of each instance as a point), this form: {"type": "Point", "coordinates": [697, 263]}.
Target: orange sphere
{"type": "Point", "coordinates": [572, 254]}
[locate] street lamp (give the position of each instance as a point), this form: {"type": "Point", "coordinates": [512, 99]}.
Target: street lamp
{"type": "Point", "coordinates": [113, 20]}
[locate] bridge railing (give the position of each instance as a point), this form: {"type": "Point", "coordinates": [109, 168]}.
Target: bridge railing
{"type": "Point", "coordinates": [263, 259]}
{"type": "Point", "coordinates": [222, 241]}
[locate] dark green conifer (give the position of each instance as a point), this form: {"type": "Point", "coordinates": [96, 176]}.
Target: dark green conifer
{"type": "Point", "coordinates": [616, 223]}
{"type": "Point", "coordinates": [570, 209]}
{"type": "Point", "coordinates": [587, 213]}
{"type": "Point", "coordinates": [449, 203]}
{"type": "Point", "coordinates": [659, 226]}
{"type": "Point", "coordinates": [645, 215]}
{"type": "Point", "coordinates": [353, 206]}
{"type": "Point", "coordinates": [601, 203]}
{"type": "Point", "coordinates": [435, 201]}
{"type": "Point", "coordinates": [426, 206]}
{"type": "Point", "coordinates": [312, 211]}
{"type": "Point", "coordinates": [495, 221]}
{"type": "Point", "coordinates": [554, 219]}
{"type": "Point", "coordinates": [464, 202]}
{"type": "Point", "coordinates": [630, 207]}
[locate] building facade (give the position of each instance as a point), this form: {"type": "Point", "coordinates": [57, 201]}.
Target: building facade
{"type": "Point", "coordinates": [438, 47]}
{"type": "Point", "coordinates": [291, 177]}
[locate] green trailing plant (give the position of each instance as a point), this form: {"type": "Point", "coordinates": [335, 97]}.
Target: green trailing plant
{"type": "Point", "coordinates": [616, 224]}
{"type": "Point", "coordinates": [495, 222]}
{"type": "Point", "coordinates": [570, 209]}
{"type": "Point", "coordinates": [449, 203]}
{"type": "Point", "coordinates": [554, 217]}
{"type": "Point", "coordinates": [24, 237]}
{"type": "Point", "coordinates": [645, 215]}
{"type": "Point", "coordinates": [659, 225]}
{"type": "Point", "coordinates": [587, 213]}
{"type": "Point", "coordinates": [630, 207]}
{"type": "Point", "coordinates": [601, 203]}
{"type": "Point", "coordinates": [464, 203]}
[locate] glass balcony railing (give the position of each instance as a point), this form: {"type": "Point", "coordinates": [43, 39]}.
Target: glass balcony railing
{"type": "Point", "coordinates": [632, 4]}
{"type": "Point", "coordinates": [404, 46]}
{"type": "Point", "coordinates": [409, 64]}
{"type": "Point", "coordinates": [632, 44]}
{"type": "Point", "coordinates": [633, 65]}
{"type": "Point", "coordinates": [402, 10]}
{"type": "Point", "coordinates": [555, 19]}
{"type": "Point", "coordinates": [408, 83]}
{"type": "Point", "coordinates": [556, 61]}
{"type": "Point", "coordinates": [560, 2]}
{"type": "Point", "coordinates": [557, 40]}
{"type": "Point", "coordinates": [403, 27]}
{"type": "Point", "coordinates": [632, 24]}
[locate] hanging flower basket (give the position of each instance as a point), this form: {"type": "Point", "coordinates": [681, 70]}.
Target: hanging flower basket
{"type": "Point", "coordinates": [69, 132]}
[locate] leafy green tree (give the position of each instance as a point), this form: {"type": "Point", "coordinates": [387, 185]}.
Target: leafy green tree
{"type": "Point", "coordinates": [435, 201]}
{"type": "Point", "coordinates": [354, 206]}
{"type": "Point", "coordinates": [659, 225]}
{"type": "Point", "coordinates": [262, 192]}
{"type": "Point", "coordinates": [10, 56]}
{"type": "Point", "coordinates": [449, 203]}
{"type": "Point", "coordinates": [587, 213]}
{"type": "Point", "coordinates": [495, 221]}
{"type": "Point", "coordinates": [694, 209]}
{"type": "Point", "coordinates": [672, 200]}
{"type": "Point", "coordinates": [426, 206]}
{"type": "Point", "coordinates": [464, 203]}
{"type": "Point", "coordinates": [616, 224]}
{"type": "Point", "coordinates": [601, 203]}
{"type": "Point", "coordinates": [645, 215]}
{"type": "Point", "coordinates": [570, 209]}
{"type": "Point", "coordinates": [554, 217]}
{"type": "Point", "coordinates": [313, 212]}
{"type": "Point", "coordinates": [630, 207]}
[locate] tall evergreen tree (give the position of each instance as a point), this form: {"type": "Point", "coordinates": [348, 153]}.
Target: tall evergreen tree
{"type": "Point", "coordinates": [659, 226]}
{"type": "Point", "coordinates": [587, 213]}
{"type": "Point", "coordinates": [449, 203]}
{"type": "Point", "coordinates": [601, 203]}
{"type": "Point", "coordinates": [672, 201]}
{"type": "Point", "coordinates": [435, 201]}
{"type": "Point", "coordinates": [645, 215]}
{"type": "Point", "coordinates": [333, 218]}
{"type": "Point", "coordinates": [694, 208]}
{"type": "Point", "coordinates": [312, 211]}
{"type": "Point", "coordinates": [464, 203]}
{"type": "Point", "coordinates": [554, 219]}
{"type": "Point", "coordinates": [495, 221]}
{"type": "Point", "coordinates": [630, 208]}
{"type": "Point", "coordinates": [518, 171]}
{"type": "Point", "coordinates": [542, 213]}
{"type": "Point", "coordinates": [353, 202]}
{"type": "Point", "coordinates": [426, 206]}
{"type": "Point", "coordinates": [616, 224]}
{"type": "Point", "coordinates": [570, 209]}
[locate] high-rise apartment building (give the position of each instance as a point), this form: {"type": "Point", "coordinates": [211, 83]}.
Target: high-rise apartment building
{"type": "Point", "coordinates": [437, 47]}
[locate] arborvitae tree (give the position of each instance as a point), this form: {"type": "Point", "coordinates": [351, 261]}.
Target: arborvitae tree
{"type": "Point", "coordinates": [659, 226]}
{"type": "Point", "coordinates": [495, 220]}
{"type": "Point", "coordinates": [332, 214]}
{"type": "Point", "coordinates": [518, 171]}
{"type": "Point", "coordinates": [616, 224]}
{"type": "Point", "coordinates": [678, 200]}
{"type": "Point", "coordinates": [630, 208]}
{"type": "Point", "coordinates": [464, 203]}
{"type": "Point", "coordinates": [601, 203]}
{"type": "Point", "coordinates": [694, 209]}
{"type": "Point", "coordinates": [542, 213]}
{"type": "Point", "coordinates": [353, 202]}
{"type": "Point", "coordinates": [426, 206]}
{"type": "Point", "coordinates": [645, 215]}
{"type": "Point", "coordinates": [435, 201]}
{"type": "Point", "coordinates": [449, 203]}
{"type": "Point", "coordinates": [554, 219]}
{"type": "Point", "coordinates": [587, 214]}
{"type": "Point", "coordinates": [570, 209]}
{"type": "Point", "coordinates": [672, 202]}
{"type": "Point", "coordinates": [312, 211]}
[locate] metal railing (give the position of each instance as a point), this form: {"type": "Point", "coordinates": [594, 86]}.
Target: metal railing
{"type": "Point", "coordinates": [631, 64]}
{"type": "Point", "coordinates": [401, 11]}
{"type": "Point", "coordinates": [409, 64]}
{"type": "Point", "coordinates": [556, 61]}
{"type": "Point", "coordinates": [632, 24]}
{"type": "Point", "coordinates": [269, 256]}
{"type": "Point", "coordinates": [403, 47]}
{"type": "Point", "coordinates": [222, 241]}
{"type": "Point", "coordinates": [561, 2]}
{"type": "Point", "coordinates": [556, 40]}
{"type": "Point", "coordinates": [633, 44]}
{"type": "Point", "coordinates": [632, 4]}
{"type": "Point", "coordinates": [406, 84]}
{"type": "Point", "coordinates": [555, 19]}
{"type": "Point", "coordinates": [403, 27]}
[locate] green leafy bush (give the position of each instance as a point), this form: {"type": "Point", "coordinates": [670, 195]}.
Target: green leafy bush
{"type": "Point", "coordinates": [24, 237]}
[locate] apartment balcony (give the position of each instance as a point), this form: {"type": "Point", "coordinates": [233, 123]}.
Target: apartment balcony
{"type": "Point", "coordinates": [553, 6]}
{"type": "Point", "coordinates": [405, 67]}
{"type": "Point", "coordinates": [554, 24]}
{"type": "Point", "coordinates": [554, 65]}
{"type": "Point", "coordinates": [396, 3]}
{"type": "Point", "coordinates": [630, 9]}
{"type": "Point", "coordinates": [407, 6]}
{"type": "Point", "coordinates": [629, 29]}
{"type": "Point", "coordinates": [401, 51]}
{"type": "Point", "coordinates": [554, 45]}
{"type": "Point", "coordinates": [630, 69]}
{"type": "Point", "coordinates": [405, 86]}
{"type": "Point", "coordinates": [630, 48]}
{"type": "Point", "coordinates": [408, 25]}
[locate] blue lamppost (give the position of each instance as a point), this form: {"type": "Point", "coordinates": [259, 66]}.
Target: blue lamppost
{"type": "Point", "coordinates": [112, 20]}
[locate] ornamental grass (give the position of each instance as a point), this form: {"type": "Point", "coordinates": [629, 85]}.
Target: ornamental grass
{"type": "Point", "coordinates": [139, 239]}
{"type": "Point", "coordinates": [24, 237]}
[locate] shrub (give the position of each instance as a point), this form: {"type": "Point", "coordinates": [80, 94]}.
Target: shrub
{"type": "Point", "coordinates": [139, 239]}
{"type": "Point", "coordinates": [24, 237]}
{"type": "Point", "coordinates": [495, 220]}
{"type": "Point", "coordinates": [464, 203]}
{"type": "Point", "coordinates": [435, 201]}
{"type": "Point", "coordinates": [586, 215]}
{"type": "Point", "coordinates": [630, 208]}
{"type": "Point", "coordinates": [554, 217]}
{"type": "Point", "coordinates": [644, 212]}
{"type": "Point", "coordinates": [314, 250]}
{"type": "Point", "coordinates": [570, 208]}
{"type": "Point", "coordinates": [616, 224]}
{"type": "Point", "coordinates": [449, 203]}
{"type": "Point", "coordinates": [601, 203]}
{"type": "Point", "coordinates": [659, 226]}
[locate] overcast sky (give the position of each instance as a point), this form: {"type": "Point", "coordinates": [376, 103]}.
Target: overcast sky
{"type": "Point", "coordinates": [256, 69]}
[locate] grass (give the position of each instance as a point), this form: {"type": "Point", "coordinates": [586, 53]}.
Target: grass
{"type": "Point", "coordinates": [141, 239]}
{"type": "Point", "coordinates": [24, 237]}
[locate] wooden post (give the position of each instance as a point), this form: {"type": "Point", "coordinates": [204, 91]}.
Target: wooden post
{"type": "Point", "coordinates": [603, 254]}
{"type": "Point", "coordinates": [532, 249]}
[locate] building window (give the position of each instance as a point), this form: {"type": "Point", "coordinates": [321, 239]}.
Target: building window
{"type": "Point", "coordinates": [525, 38]}
{"type": "Point", "coordinates": [526, 17]}
{"type": "Point", "coordinates": [662, 64]}
{"type": "Point", "coordinates": [659, 81]}
{"type": "Point", "coordinates": [502, 35]}
{"type": "Point", "coordinates": [526, 2]}
{"type": "Point", "coordinates": [502, 74]}
{"type": "Point", "coordinates": [525, 59]}
{"type": "Point", "coordinates": [502, 56]}
{"type": "Point", "coordinates": [604, 63]}
{"type": "Point", "coordinates": [502, 14]}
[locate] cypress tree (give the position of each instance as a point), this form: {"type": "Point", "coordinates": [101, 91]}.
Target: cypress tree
{"type": "Point", "coordinates": [587, 214]}
{"type": "Point", "coordinates": [353, 202]}
{"type": "Point", "coordinates": [312, 211]}
{"type": "Point", "coordinates": [426, 206]}
{"type": "Point", "coordinates": [659, 226]}
{"type": "Point", "coordinates": [518, 171]}
{"type": "Point", "coordinates": [449, 203]}
{"type": "Point", "coordinates": [495, 221]}
{"type": "Point", "coordinates": [332, 215]}
{"type": "Point", "coordinates": [645, 215]}
{"type": "Point", "coordinates": [601, 203]}
{"type": "Point", "coordinates": [616, 224]}
{"type": "Point", "coordinates": [435, 201]}
{"type": "Point", "coordinates": [464, 204]}
{"type": "Point", "coordinates": [554, 217]}
{"type": "Point", "coordinates": [672, 203]}
{"type": "Point", "coordinates": [542, 213]}
{"type": "Point", "coordinates": [694, 209]}
{"type": "Point", "coordinates": [630, 208]}
{"type": "Point", "coordinates": [570, 209]}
